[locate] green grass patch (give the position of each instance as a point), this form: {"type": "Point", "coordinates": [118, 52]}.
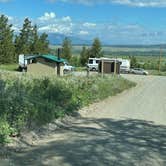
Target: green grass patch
{"type": "Point", "coordinates": [9, 67]}
{"type": "Point", "coordinates": [27, 102]}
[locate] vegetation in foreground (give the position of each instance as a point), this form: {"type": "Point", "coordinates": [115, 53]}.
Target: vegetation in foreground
{"type": "Point", "coordinates": [9, 67]}
{"type": "Point", "coordinates": [29, 103]}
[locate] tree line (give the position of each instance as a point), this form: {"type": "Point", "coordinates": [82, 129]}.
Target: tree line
{"type": "Point", "coordinates": [28, 41]}
{"type": "Point", "coordinates": [94, 51]}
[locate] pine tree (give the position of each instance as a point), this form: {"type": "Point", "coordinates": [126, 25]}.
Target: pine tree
{"type": "Point", "coordinates": [35, 45]}
{"type": "Point", "coordinates": [67, 46]}
{"type": "Point", "coordinates": [29, 41]}
{"type": "Point", "coordinates": [6, 41]}
{"type": "Point", "coordinates": [25, 38]}
{"type": "Point", "coordinates": [96, 49]}
{"type": "Point", "coordinates": [84, 56]}
{"type": "Point", "coordinates": [43, 44]}
{"type": "Point", "coordinates": [16, 44]}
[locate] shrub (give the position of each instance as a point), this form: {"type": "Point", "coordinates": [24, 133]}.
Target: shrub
{"type": "Point", "coordinates": [29, 102]}
{"type": "Point", "coordinates": [5, 131]}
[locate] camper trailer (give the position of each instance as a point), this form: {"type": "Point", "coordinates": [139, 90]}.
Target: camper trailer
{"type": "Point", "coordinates": [125, 65]}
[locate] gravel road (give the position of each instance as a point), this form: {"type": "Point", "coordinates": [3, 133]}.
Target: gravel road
{"type": "Point", "coordinates": [126, 130]}
{"type": "Point", "coordinates": [145, 102]}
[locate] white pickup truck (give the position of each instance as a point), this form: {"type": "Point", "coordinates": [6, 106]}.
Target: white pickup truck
{"type": "Point", "coordinates": [67, 67]}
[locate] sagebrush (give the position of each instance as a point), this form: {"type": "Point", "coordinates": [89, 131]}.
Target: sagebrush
{"type": "Point", "coordinates": [29, 102]}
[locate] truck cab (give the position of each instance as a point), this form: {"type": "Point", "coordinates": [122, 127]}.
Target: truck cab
{"type": "Point", "coordinates": [93, 64]}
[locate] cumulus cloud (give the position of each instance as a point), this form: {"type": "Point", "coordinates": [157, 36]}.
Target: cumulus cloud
{"type": "Point", "coordinates": [83, 33]}
{"type": "Point", "coordinates": [109, 33]}
{"type": "Point", "coordinates": [66, 19]}
{"type": "Point", "coordinates": [142, 3]}
{"type": "Point", "coordinates": [56, 28]}
{"type": "Point", "coordinates": [89, 25]}
{"type": "Point", "coordinates": [9, 18]}
{"type": "Point", "coordinates": [50, 23]}
{"type": "Point", "coordinates": [47, 16]}
{"type": "Point", "coordinates": [137, 3]}
{"type": "Point", "coordinates": [15, 29]}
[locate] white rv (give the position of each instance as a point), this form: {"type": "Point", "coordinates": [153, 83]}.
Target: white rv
{"type": "Point", "coordinates": [125, 65]}
{"type": "Point", "coordinates": [93, 64]}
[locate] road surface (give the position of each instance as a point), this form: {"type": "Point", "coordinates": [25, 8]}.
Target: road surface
{"type": "Point", "coordinates": [126, 130]}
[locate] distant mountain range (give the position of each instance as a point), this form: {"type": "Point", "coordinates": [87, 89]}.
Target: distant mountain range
{"type": "Point", "coordinates": [57, 39]}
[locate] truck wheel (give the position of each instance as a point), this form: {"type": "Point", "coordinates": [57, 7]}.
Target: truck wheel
{"type": "Point", "coordinates": [93, 69]}
{"type": "Point", "coordinates": [20, 68]}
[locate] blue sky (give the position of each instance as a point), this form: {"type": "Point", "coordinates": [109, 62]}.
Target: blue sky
{"type": "Point", "coordinates": [113, 21]}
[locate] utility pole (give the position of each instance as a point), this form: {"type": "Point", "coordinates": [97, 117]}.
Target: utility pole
{"type": "Point", "coordinates": [160, 58]}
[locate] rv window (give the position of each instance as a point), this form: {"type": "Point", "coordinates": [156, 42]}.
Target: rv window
{"type": "Point", "coordinates": [90, 61]}
{"type": "Point", "coordinates": [97, 61]}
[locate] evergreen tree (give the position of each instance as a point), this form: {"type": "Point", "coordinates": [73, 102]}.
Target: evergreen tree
{"type": "Point", "coordinates": [25, 38]}
{"type": "Point", "coordinates": [29, 42]}
{"type": "Point", "coordinates": [84, 56]}
{"type": "Point", "coordinates": [43, 44]}
{"type": "Point", "coordinates": [6, 41]}
{"type": "Point", "coordinates": [34, 45]}
{"type": "Point", "coordinates": [16, 44]}
{"type": "Point", "coordinates": [96, 49]}
{"type": "Point", "coordinates": [67, 46]}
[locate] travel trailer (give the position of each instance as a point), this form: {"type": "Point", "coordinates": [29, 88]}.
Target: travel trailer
{"type": "Point", "coordinates": [125, 65]}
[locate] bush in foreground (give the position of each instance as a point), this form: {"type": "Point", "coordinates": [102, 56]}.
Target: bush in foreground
{"type": "Point", "coordinates": [27, 102]}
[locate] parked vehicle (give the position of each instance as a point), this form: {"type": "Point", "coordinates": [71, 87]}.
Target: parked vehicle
{"type": "Point", "coordinates": [139, 71]}
{"type": "Point", "coordinates": [22, 62]}
{"type": "Point", "coordinates": [125, 65]}
{"type": "Point", "coordinates": [68, 67]}
{"type": "Point", "coordinates": [93, 64]}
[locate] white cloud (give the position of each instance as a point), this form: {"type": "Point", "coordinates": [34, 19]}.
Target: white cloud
{"type": "Point", "coordinates": [55, 28]}
{"type": "Point", "coordinates": [89, 25]}
{"type": "Point", "coordinates": [66, 19]}
{"type": "Point", "coordinates": [15, 29]}
{"type": "Point", "coordinates": [112, 33]}
{"type": "Point", "coordinates": [83, 33]}
{"type": "Point", "coordinates": [49, 23]}
{"type": "Point", "coordinates": [9, 18]}
{"type": "Point", "coordinates": [142, 3]}
{"type": "Point", "coordinates": [47, 16]}
{"type": "Point", "coordinates": [137, 3]}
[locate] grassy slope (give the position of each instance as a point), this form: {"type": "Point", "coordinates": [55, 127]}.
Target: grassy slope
{"type": "Point", "coordinates": [29, 102]}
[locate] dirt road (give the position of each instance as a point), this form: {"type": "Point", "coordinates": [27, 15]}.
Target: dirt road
{"type": "Point", "coordinates": [126, 130]}
{"type": "Point", "coordinates": [146, 102]}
